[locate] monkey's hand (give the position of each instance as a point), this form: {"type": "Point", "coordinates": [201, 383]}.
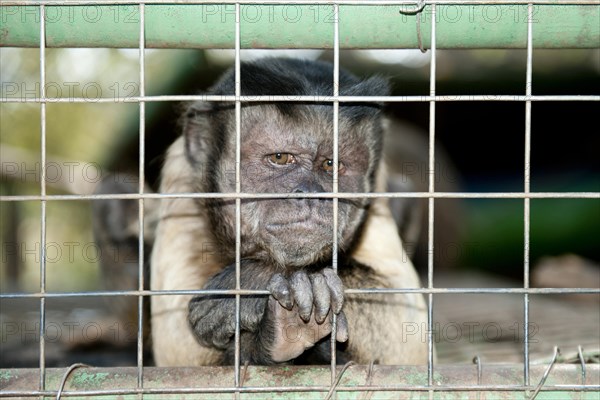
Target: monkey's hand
{"type": "Point", "coordinates": [300, 313]}
{"type": "Point", "coordinates": [212, 317]}
{"type": "Point", "coordinates": [296, 316]}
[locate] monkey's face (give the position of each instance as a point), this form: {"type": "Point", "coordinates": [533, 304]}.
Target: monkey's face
{"type": "Point", "coordinates": [294, 154]}
{"type": "Point", "coordinates": [286, 147]}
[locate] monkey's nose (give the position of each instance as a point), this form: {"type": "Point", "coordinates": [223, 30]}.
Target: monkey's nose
{"type": "Point", "coordinates": [308, 187]}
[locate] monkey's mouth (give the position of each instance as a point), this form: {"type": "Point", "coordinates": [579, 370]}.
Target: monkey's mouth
{"type": "Point", "coordinates": [308, 223]}
{"type": "Point", "coordinates": [298, 241]}
{"type": "Point", "coordinates": [298, 215]}
{"type": "Point", "coordinates": [305, 225]}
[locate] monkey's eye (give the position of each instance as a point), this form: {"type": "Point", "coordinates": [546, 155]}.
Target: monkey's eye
{"type": "Point", "coordinates": [328, 166]}
{"type": "Point", "coordinates": [282, 158]}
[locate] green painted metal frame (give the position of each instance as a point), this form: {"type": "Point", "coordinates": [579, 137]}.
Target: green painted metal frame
{"type": "Point", "coordinates": [297, 382]}
{"type": "Point", "coordinates": [300, 26]}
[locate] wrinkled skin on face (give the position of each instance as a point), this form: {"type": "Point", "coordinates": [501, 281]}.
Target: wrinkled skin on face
{"type": "Point", "coordinates": [281, 156]}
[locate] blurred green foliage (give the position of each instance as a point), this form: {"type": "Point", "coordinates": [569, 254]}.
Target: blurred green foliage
{"type": "Point", "coordinates": [81, 138]}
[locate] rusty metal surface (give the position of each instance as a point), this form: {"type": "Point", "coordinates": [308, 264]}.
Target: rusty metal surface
{"type": "Point", "coordinates": [296, 382]}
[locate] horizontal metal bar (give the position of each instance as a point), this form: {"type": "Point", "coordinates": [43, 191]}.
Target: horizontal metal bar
{"type": "Point", "coordinates": [299, 2]}
{"type": "Point", "coordinates": [339, 195]}
{"type": "Point", "coordinates": [205, 382]}
{"type": "Point", "coordinates": [343, 392]}
{"type": "Point", "coordinates": [248, 292]}
{"type": "Point", "coordinates": [300, 24]}
{"type": "Point", "coordinates": [304, 99]}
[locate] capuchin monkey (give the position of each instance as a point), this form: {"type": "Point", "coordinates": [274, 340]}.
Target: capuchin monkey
{"type": "Point", "coordinates": [286, 243]}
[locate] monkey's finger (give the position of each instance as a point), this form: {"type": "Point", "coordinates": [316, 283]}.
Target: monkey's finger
{"type": "Point", "coordinates": [322, 298]}
{"type": "Point", "coordinates": [336, 289]}
{"type": "Point", "coordinates": [212, 328]}
{"type": "Point", "coordinates": [222, 334]}
{"type": "Point", "coordinates": [281, 291]}
{"type": "Point", "coordinates": [303, 294]}
{"type": "Point", "coordinates": [342, 328]}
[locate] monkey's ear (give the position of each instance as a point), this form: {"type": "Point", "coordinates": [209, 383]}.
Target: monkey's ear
{"type": "Point", "coordinates": [195, 125]}
{"type": "Point", "coordinates": [374, 86]}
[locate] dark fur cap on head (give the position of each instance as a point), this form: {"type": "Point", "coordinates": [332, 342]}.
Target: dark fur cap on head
{"type": "Point", "coordinates": [206, 123]}
{"type": "Point", "coordinates": [296, 77]}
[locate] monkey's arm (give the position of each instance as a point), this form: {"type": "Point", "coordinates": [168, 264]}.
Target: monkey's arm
{"type": "Point", "coordinates": [389, 328]}
{"type": "Point", "coordinates": [274, 329]}
{"type": "Point", "coordinates": [184, 256]}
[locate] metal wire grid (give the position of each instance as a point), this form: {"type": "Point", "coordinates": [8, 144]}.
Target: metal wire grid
{"type": "Point", "coordinates": [431, 195]}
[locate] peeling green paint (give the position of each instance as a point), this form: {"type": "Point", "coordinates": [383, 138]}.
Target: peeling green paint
{"type": "Point", "coordinates": [5, 375]}
{"type": "Point", "coordinates": [84, 379]}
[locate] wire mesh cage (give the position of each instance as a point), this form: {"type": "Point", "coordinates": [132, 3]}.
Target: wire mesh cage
{"type": "Point", "coordinates": [428, 25]}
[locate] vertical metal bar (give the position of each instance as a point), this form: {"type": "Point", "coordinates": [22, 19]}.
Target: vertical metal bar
{"type": "Point", "coordinates": [142, 179]}
{"type": "Point", "coordinates": [336, 111]}
{"type": "Point", "coordinates": [527, 181]}
{"type": "Point", "coordinates": [238, 189]}
{"type": "Point", "coordinates": [430, 242]}
{"type": "Point", "coordinates": [42, 359]}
